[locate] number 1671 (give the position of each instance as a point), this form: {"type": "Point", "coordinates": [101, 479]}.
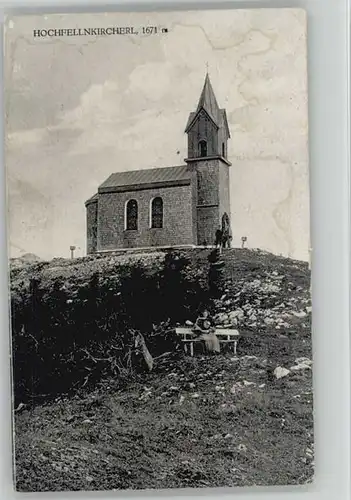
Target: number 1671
{"type": "Point", "coordinates": [149, 30]}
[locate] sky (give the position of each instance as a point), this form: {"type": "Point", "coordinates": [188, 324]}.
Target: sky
{"type": "Point", "coordinates": [80, 108]}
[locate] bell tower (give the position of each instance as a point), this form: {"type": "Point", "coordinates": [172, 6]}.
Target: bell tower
{"type": "Point", "coordinates": [208, 134]}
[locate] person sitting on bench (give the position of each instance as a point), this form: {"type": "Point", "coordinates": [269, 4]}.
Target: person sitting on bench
{"type": "Point", "coordinates": [203, 323]}
{"type": "Point", "coordinates": [206, 331]}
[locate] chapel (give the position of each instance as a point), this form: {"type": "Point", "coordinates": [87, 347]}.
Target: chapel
{"type": "Point", "coordinates": [175, 206]}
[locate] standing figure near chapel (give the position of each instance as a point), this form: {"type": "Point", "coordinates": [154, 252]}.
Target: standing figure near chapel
{"type": "Point", "coordinates": [224, 236]}
{"type": "Point", "coordinates": [226, 231]}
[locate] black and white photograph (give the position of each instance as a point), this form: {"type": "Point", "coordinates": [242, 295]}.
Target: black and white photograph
{"type": "Point", "coordinates": [158, 214]}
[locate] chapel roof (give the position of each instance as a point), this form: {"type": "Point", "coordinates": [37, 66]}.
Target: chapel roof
{"type": "Point", "coordinates": [132, 179]}
{"type": "Point", "coordinates": [208, 103]}
{"type": "Point", "coordinates": [92, 199]}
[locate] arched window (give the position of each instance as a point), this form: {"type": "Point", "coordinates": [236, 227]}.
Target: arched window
{"type": "Point", "coordinates": [202, 149]}
{"type": "Point", "coordinates": [157, 213]}
{"type": "Point", "coordinates": [131, 220]}
{"type": "Point", "coordinates": [223, 149]}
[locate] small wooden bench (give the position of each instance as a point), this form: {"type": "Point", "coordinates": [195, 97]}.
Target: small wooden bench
{"type": "Point", "coordinates": [224, 335]}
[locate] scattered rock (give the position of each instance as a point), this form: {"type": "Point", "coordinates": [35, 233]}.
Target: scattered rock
{"type": "Point", "coordinates": [189, 323]}
{"type": "Point", "coordinates": [299, 314]}
{"type": "Point", "coordinates": [221, 319]}
{"type": "Point", "coordinates": [304, 361]}
{"type": "Point", "coordinates": [247, 383]}
{"type": "Point", "coordinates": [285, 325]}
{"type": "Point", "coordinates": [216, 436]}
{"type": "Point", "coordinates": [20, 407]}
{"type": "Point", "coordinates": [242, 447]}
{"type": "Point", "coordinates": [281, 372]}
{"type": "Point", "coordinates": [300, 366]}
{"type": "Point", "coordinates": [237, 314]}
{"type": "Point", "coordinates": [220, 389]}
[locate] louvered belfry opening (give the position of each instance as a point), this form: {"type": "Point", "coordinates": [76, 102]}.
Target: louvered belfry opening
{"type": "Point", "coordinates": [203, 149]}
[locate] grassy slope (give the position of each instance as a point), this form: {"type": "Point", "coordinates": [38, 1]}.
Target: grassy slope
{"type": "Point", "coordinates": [208, 421]}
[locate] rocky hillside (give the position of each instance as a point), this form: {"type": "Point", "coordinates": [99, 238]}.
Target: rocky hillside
{"type": "Point", "coordinates": [206, 421]}
{"type": "Point", "coordinates": [263, 291]}
{"type": "Point", "coordinates": [66, 313]}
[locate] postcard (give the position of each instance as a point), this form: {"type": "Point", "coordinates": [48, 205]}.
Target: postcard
{"type": "Point", "coordinates": [159, 249]}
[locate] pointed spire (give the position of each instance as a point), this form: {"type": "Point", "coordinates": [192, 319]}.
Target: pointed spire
{"type": "Point", "coordinates": [208, 101]}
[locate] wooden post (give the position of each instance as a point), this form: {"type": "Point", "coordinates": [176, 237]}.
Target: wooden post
{"type": "Point", "coordinates": [72, 248]}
